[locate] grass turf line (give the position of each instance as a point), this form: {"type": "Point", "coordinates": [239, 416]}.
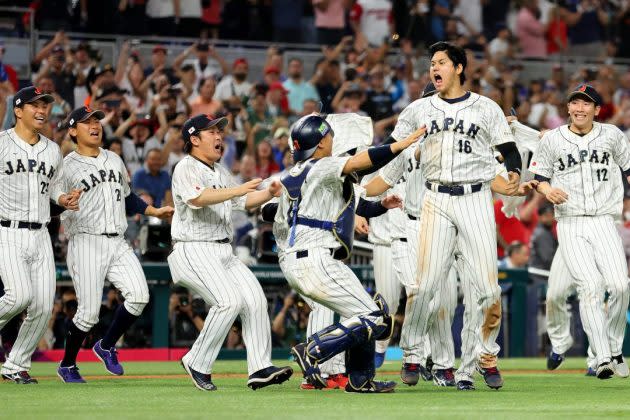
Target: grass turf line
{"type": "Point", "coordinates": [169, 394]}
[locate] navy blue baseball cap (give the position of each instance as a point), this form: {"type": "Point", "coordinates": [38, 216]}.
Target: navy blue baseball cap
{"type": "Point", "coordinates": [306, 134]}
{"type": "Point", "coordinates": [429, 90]}
{"type": "Point", "coordinates": [587, 92]}
{"type": "Point", "coordinates": [81, 114]}
{"type": "Point", "coordinates": [201, 122]}
{"type": "Point", "coordinates": [30, 94]}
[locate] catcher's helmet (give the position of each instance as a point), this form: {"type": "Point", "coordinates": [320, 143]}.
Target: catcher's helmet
{"type": "Point", "coordinates": [306, 134]}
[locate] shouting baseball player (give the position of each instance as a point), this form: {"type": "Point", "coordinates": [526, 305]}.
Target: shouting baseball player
{"type": "Point", "coordinates": [97, 248]}
{"type": "Point", "coordinates": [30, 173]}
{"type": "Point", "coordinates": [317, 206]}
{"type": "Point", "coordinates": [202, 259]}
{"type": "Point", "coordinates": [457, 161]}
{"type": "Point", "coordinates": [574, 164]}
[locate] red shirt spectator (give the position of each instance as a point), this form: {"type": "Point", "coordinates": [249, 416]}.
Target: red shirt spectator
{"type": "Point", "coordinates": [512, 229]}
{"type": "Point", "coordinates": [557, 38]}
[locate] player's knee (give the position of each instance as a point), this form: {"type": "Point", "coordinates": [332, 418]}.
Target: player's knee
{"type": "Point", "coordinates": [16, 302]}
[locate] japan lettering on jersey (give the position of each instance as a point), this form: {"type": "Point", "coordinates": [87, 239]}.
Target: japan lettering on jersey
{"type": "Point", "coordinates": [29, 178]}
{"type": "Point", "coordinates": [457, 147]}
{"type": "Point", "coordinates": [105, 184]}
{"type": "Point", "coordinates": [585, 167]}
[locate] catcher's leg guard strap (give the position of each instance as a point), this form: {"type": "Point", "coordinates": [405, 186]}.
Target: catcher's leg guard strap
{"type": "Point", "coordinates": [338, 337]}
{"type": "Point", "coordinates": [360, 364]}
{"type": "Point", "coordinates": [384, 329]}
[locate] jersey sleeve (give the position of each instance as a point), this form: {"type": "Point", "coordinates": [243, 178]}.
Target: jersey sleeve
{"type": "Point", "coordinates": [329, 170]}
{"type": "Point", "coordinates": [58, 183]}
{"type": "Point", "coordinates": [542, 161]}
{"type": "Point", "coordinates": [238, 203]}
{"type": "Point", "coordinates": [392, 172]}
{"type": "Point", "coordinates": [126, 180]}
{"type": "Point", "coordinates": [621, 151]}
{"type": "Point", "coordinates": [406, 123]}
{"type": "Point", "coordinates": [187, 183]}
{"type": "Point", "coordinates": [498, 128]}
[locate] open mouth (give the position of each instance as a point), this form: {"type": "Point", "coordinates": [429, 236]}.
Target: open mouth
{"type": "Point", "coordinates": [40, 118]}
{"type": "Point", "coordinates": [218, 147]}
{"type": "Point", "coordinates": [438, 80]}
{"type": "Point", "coordinates": [94, 133]}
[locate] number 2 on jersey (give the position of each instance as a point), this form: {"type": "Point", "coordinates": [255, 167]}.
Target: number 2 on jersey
{"type": "Point", "coordinates": [45, 186]}
{"type": "Point", "coordinates": [464, 146]}
{"type": "Point", "coordinates": [117, 194]}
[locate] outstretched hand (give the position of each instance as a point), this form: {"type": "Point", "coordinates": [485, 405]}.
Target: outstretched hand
{"type": "Point", "coordinates": [249, 186]}
{"type": "Point", "coordinates": [164, 212]}
{"type": "Point", "coordinates": [392, 202]}
{"type": "Point", "coordinates": [275, 188]}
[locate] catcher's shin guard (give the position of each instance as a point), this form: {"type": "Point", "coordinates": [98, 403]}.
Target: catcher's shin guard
{"type": "Point", "coordinates": [386, 327]}
{"type": "Point", "coordinates": [360, 364]}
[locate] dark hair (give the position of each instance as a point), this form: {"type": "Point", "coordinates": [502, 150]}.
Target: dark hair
{"type": "Point", "coordinates": [204, 79]}
{"type": "Point", "coordinates": [456, 54]}
{"type": "Point", "coordinates": [295, 59]}
{"type": "Point", "coordinates": [514, 247]}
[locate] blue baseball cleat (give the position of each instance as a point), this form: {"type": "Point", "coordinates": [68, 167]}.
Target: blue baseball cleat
{"type": "Point", "coordinates": [379, 359]}
{"type": "Point", "coordinates": [70, 375]}
{"type": "Point", "coordinates": [554, 360]}
{"type": "Point", "coordinates": [109, 358]}
{"type": "Point", "coordinates": [590, 372]}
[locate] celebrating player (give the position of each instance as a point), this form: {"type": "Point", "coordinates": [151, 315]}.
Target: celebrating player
{"type": "Point", "coordinates": [317, 208]}
{"type": "Point", "coordinates": [30, 173]}
{"type": "Point", "coordinates": [202, 259]}
{"type": "Point", "coordinates": [97, 248]}
{"type": "Point", "coordinates": [457, 161]}
{"type": "Point", "coordinates": [575, 164]}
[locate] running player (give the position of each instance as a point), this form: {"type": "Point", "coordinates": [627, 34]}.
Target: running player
{"type": "Point", "coordinates": [97, 248]}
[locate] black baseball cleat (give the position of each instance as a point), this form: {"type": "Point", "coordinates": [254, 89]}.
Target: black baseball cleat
{"type": "Point", "coordinates": [410, 373]}
{"type": "Point", "coordinates": [426, 371]}
{"type": "Point", "coordinates": [269, 376]}
{"type": "Point", "coordinates": [309, 369]}
{"type": "Point", "coordinates": [444, 377]}
{"type": "Point", "coordinates": [492, 376]}
{"type": "Point", "coordinates": [465, 386]}
{"type": "Point", "coordinates": [372, 387]}
{"type": "Point", "coordinates": [202, 381]}
{"type": "Point", "coordinates": [605, 370]}
{"type": "Point", "coordinates": [554, 360]}
{"type": "Point", "coordinates": [22, 378]}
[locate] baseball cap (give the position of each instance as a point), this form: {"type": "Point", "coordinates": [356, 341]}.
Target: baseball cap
{"type": "Point", "coordinates": [240, 60]}
{"type": "Point", "coordinates": [30, 94]}
{"type": "Point", "coordinates": [429, 90]}
{"type": "Point", "coordinates": [277, 86]}
{"type": "Point", "coordinates": [272, 69]}
{"type": "Point", "coordinates": [159, 48]}
{"type": "Point", "coordinates": [81, 114]}
{"type": "Point", "coordinates": [586, 91]}
{"type": "Point", "coordinates": [281, 131]}
{"type": "Point", "coordinates": [201, 122]}
{"type": "Point", "coordinates": [109, 90]}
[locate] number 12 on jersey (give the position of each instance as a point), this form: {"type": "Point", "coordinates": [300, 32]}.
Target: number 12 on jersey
{"type": "Point", "coordinates": [602, 174]}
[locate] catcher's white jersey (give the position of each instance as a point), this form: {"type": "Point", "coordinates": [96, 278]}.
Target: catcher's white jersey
{"type": "Point", "coordinates": [105, 184]}
{"type": "Point", "coordinates": [29, 176]}
{"type": "Point", "coordinates": [405, 169]}
{"type": "Point", "coordinates": [457, 148]}
{"type": "Point", "coordinates": [585, 167]}
{"type": "Point", "coordinates": [211, 223]}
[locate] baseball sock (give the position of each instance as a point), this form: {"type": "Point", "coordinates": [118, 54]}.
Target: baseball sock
{"type": "Point", "coordinates": [122, 321]}
{"type": "Point", "coordinates": [74, 339]}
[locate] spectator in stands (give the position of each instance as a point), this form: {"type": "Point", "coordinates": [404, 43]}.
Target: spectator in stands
{"type": "Point", "coordinates": [159, 56]}
{"type": "Point", "coordinates": [531, 31]}
{"type": "Point", "coordinates": [205, 103]}
{"type": "Point", "coordinates": [586, 21]}
{"type": "Point", "coordinates": [210, 19]}
{"type": "Point", "coordinates": [235, 84]}
{"type": "Point", "coordinates": [189, 24]}
{"type": "Point", "coordinates": [289, 325]}
{"type": "Point", "coordinates": [512, 229]}
{"type": "Point", "coordinates": [137, 140]}
{"type": "Point", "coordinates": [299, 89]}
{"type": "Point", "coordinates": [153, 179]}
{"type": "Point", "coordinates": [379, 103]}
{"type": "Point", "coordinates": [163, 16]}
{"type": "Point", "coordinates": [280, 145]}
{"type": "Point", "coordinates": [544, 241]}
{"type": "Point", "coordinates": [517, 256]}
{"type": "Point", "coordinates": [265, 162]}
{"type": "Point", "coordinates": [259, 117]}
{"type": "Point", "coordinates": [8, 75]}
{"type": "Point", "coordinates": [277, 101]}
{"type": "Point", "coordinates": [327, 80]}
{"type": "Point", "coordinates": [557, 33]}
{"type": "Point", "coordinates": [207, 62]}
{"type": "Point", "coordinates": [185, 322]}
{"type": "Point", "coordinates": [349, 98]}
{"type": "Point", "coordinates": [501, 45]}
{"type": "Point", "coordinates": [132, 17]}
{"type": "Point", "coordinates": [329, 21]}
{"type": "Point", "coordinates": [83, 66]}
{"type": "Point", "coordinates": [55, 60]}
{"type": "Point", "coordinates": [287, 20]}
{"type": "Point", "coordinates": [372, 20]}
{"type": "Point", "coordinates": [440, 12]}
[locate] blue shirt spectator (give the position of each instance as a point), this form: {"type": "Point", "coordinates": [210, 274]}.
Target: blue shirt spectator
{"type": "Point", "coordinates": [299, 90]}
{"type": "Point", "coordinates": [153, 179]}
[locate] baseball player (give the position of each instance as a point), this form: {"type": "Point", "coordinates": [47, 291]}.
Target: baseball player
{"type": "Point", "coordinates": [574, 165]}
{"type": "Point", "coordinates": [97, 248]}
{"type": "Point", "coordinates": [317, 208]}
{"type": "Point", "coordinates": [30, 173]}
{"type": "Point", "coordinates": [202, 259]}
{"type": "Point", "coordinates": [457, 161]}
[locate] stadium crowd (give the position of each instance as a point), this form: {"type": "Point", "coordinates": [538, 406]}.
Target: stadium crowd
{"type": "Point", "coordinates": [375, 73]}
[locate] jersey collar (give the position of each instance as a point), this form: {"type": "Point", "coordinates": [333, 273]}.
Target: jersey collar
{"type": "Point", "coordinates": [202, 162]}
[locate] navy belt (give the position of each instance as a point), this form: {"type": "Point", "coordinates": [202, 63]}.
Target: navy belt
{"type": "Point", "coordinates": [22, 225]}
{"type": "Point", "coordinates": [454, 189]}
{"type": "Point", "coordinates": [401, 239]}
{"type": "Point", "coordinates": [413, 217]}
{"type": "Point", "coordinates": [223, 241]}
{"type": "Point", "coordinates": [110, 235]}
{"type": "Point", "coordinates": [304, 254]}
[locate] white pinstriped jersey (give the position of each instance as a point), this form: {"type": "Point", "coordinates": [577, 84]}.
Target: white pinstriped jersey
{"type": "Point", "coordinates": [391, 225]}
{"type": "Point", "coordinates": [29, 178]}
{"type": "Point", "coordinates": [406, 169]}
{"type": "Point", "coordinates": [585, 167]}
{"type": "Point", "coordinates": [457, 148]}
{"type": "Point", "coordinates": [322, 199]}
{"type": "Point", "coordinates": [105, 184]}
{"type": "Point", "coordinates": [191, 223]}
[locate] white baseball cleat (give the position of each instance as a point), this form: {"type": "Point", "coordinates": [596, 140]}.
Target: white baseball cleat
{"type": "Point", "coordinates": [621, 367]}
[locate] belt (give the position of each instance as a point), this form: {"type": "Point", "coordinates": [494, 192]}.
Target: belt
{"type": "Point", "coordinates": [454, 189]}
{"type": "Point", "coordinates": [413, 217]}
{"type": "Point", "coordinates": [110, 235]}
{"type": "Point", "coordinates": [223, 241]}
{"type": "Point", "coordinates": [304, 254]}
{"type": "Point", "coordinates": [401, 239]}
{"type": "Point", "coordinates": [22, 225]}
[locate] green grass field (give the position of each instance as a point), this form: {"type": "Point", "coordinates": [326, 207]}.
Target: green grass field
{"type": "Point", "coordinates": [162, 390]}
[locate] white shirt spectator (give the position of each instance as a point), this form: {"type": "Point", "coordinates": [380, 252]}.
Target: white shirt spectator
{"type": "Point", "coordinates": [374, 17]}
{"type": "Point", "coordinates": [190, 9]}
{"type": "Point", "coordinates": [161, 8]}
{"type": "Point", "coordinates": [470, 11]}
{"type": "Point", "coordinates": [229, 87]}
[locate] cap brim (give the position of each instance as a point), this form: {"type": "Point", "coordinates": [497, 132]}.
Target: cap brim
{"type": "Point", "coordinates": [584, 95]}
{"type": "Point", "coordinates": [44, 97]}
{"type": "Point", "coordinates": [217, 122]}
{"type": "Point", "coordinates": [97, 113]}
